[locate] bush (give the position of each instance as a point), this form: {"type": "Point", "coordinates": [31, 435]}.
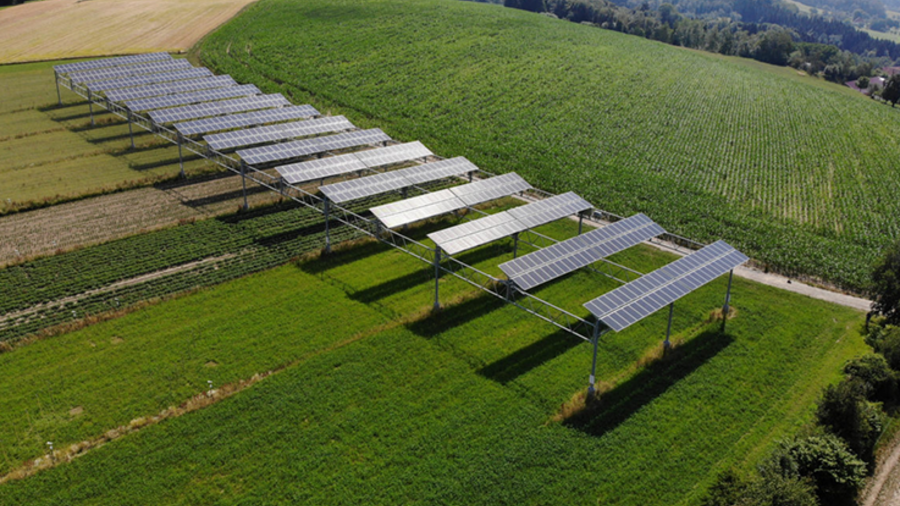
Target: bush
{"type": "Point", "coordinates": [768, 489]}
{"type": "Point", "coordinates": [885, 289]}
{"type": "Point", "coordinates": [845, 412]}
{"type": "Point", "coordinates": [887, 342]}
{"type": "Point", "coordinates": [826, 460]}
{"type": "Point", "coordinates": [873, 371]}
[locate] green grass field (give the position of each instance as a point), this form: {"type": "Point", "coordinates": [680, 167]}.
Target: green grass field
{"type": "Point", "coordinates": [799, 173]}
{"type": "Point", "coordinates": [379, 403]}
{"type": "Point", "coordinates": [52, 153]}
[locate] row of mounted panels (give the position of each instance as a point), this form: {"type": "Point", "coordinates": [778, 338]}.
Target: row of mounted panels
{"type": "Point", "coordinates": [197, 102]}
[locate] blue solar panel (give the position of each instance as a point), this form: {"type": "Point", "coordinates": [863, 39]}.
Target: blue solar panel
{"type": "Point", "coordinates": [562, 258]}
{"type": "Point", "coordinates": [278, 132]}
{"type": "Point", "coordinates": [218, 108]}
{"type": "Point", "coordinates": [202, 126]}
{"type": "Point", "coordinates": [146, 104]}
{"type": "Point", "coordinates": [143, 80]}
{"type": "Point", "coordinates": [298, 149]}
{"type": "Point", "coordinates": [158, 90]}
{"type": "Point", "coordinates": [65, 68]}
{"type": "Point", "coordinates": [87, 76]}
{"type": "Point", "coordinates": [636, 300]}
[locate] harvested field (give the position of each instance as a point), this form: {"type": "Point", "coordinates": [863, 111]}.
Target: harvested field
{"type": "Point", "coordinates": [108, 217]}
{"type": "Point", "coordinates": [54, 29]}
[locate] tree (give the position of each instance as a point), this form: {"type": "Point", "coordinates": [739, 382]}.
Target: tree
{"type": "Point", "coordinates": [826, 460]}
{"type": "Point", "coordinates": [862, 82]}
{"type": "Point", "coordinates": [845, 412]}
{"type": "Point", "coordinates": [876, 375]}
{"type": "Point", "coordinates": [885, 289]}
{"type": "Point", "coordinates": [891, 93]}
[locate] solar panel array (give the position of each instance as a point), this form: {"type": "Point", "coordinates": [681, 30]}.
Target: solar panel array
{"type": "Point", "coordinates": [306, 147]}
{"type": "Point", "coordinates": [636, 300]}
{"type": "Point", "coordinates": [434, 204]}
{"type": "Point", "coordinates": [397, 179]}
{"type": "Point", "coordinates": [218, 108]}
{"type": "Point", "coordinates": [202, 126]}
{"type": "Point", "coordinates": [65, 68]}
{"type": "Point", "coordinates": [158, 90]}
{"type": "Point", "coordinates": [279, 132]}
{"type": "Point", "coordinates": [128, 71]}
{"type": "Point", "coordinates": [343, 164]}
{"type": "Point", "coordinates": [572, 254]}
{"type": "Point", "coordinates": [146, 79]}
{"type": "Point", "coordinates": [146, 104]}
{"type": "Point", "coordinates": [504, 224]}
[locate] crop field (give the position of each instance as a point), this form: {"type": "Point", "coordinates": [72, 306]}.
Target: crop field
{"type": "Point", "coordinates": [56, 29]}
{"type": "Point", "coordinates": [801, 176]}
{"type": "Point", "coordinates": [50, 153]}
{"type": "Point", "coordinates": [373, 400]}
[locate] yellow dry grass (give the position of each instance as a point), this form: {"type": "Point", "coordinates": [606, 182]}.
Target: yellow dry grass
{"type": "Point", "coordinates": [55, 29]}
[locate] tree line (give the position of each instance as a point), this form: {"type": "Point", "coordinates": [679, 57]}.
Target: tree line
{"type": "Point", "coordinates": [819, 46]}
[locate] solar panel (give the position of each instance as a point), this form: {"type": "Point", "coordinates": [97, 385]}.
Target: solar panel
{"type": "Point", "coordinates": [306, 147]}
{"type": "Point", "coordinates": [551, 209]}
{"type": "Point", "coordinates": [476, 233]}
{"type": "Point", "coordinates": [418, 208]}
{"type": "Point", "coordinates": [157, 90]}
{"type": "Point", "coordinates": [636, 300]}
{"type": "Point", "coordinates": [490, 189]}
{"type": "Point", "coordinates": [395, 180]}
{"type": "Point", "coordinates": [564, 257]}
{"type": "Point", "coordinates": [65, 68]}
{"type": "Point", "coordinates": [202, 126]}
{"type": "Point", "coordinates": [146, 104]}
{"type": "Point", "coordinates": [143, 80]}
{"type": "Point", "coordinates": [218, 108]}
{"type": "Point", "coordinates": [279, 132]}
{"type": "Point", "coordinates": [87, 76]}
{"type": "Point", "coordinates": [320, 169]}
{"type": "Point", "coordinates": [484, 230]}
{"type": "Point", "coordinates": [398, 153]}
{"type": "Point", "coordinates": [439, 170]}
{"type": "Point", "coordinates": [463, 195]}
{"type": "Point", "coordinates": [365, 186]}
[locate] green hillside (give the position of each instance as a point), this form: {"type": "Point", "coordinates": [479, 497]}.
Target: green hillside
{"type": "Point", "coordinates": [801, 176]}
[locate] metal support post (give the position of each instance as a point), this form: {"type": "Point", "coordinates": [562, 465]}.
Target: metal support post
{"type": "Point", "coordinates": [515, 244]}
{"type": "Point", "coordinates": [510, 290]}
{"type": "Point", "coordinates": [130, 129]}
{"type": "Point", "coordinates": [726, 308]}
{"type": "Point", "coordinates": [58, 96]}
{"type": "Point", "coordinates": [244, 184]}
{"type": "Point", "coordinates": [90, 98]}
{"type": "Point", "coordinates": [470, 175]}
{"type": "Point", "coordinates": [437, 277]}
{"type": "Point", "coordinates": [594, 341]}
{"type": "Point", "coordinates": [327, 228]}
{"type": "Point", "coordinates": [181, 162]}
{"type": "Point", "coordinates": [667, 344]}
{"type": "Point", "coordinates": [580, 222]}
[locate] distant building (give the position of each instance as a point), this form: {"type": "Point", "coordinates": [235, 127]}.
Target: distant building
{"type": "Point", "coordinates": [874, 83]}
{"type": "Point", "coordinates": [889, 71]}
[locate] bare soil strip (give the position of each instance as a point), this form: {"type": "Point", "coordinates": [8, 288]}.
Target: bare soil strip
{"type": "Point", "coordinates": [101, 219]}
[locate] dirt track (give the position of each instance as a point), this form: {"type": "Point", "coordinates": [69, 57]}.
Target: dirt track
{"type": "Point", "coordinates": [54, 29]}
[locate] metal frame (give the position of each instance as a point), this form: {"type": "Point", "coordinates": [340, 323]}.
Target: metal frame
{"type": "Point", "coordinates": [590, 331]}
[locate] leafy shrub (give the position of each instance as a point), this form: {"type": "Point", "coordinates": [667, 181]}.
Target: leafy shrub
{"type": "Point", "coordinates": [875, 374]}
{"type": "Point", "coordinates": [845, 412]}
{"type": "Point", "coordinates": [826, 460]}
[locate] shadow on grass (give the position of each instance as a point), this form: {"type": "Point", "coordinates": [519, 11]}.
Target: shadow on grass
{"type": "Point", "coordinates": [618, 404]}
{"type": "Point", "coordinates": [342, 257]}
{"type": "Point", "coordinates": [520, 362]}
{"type": "Point", "coordinates": [396, 285]}
{"type": "Point", "coordinates": [455, 315]}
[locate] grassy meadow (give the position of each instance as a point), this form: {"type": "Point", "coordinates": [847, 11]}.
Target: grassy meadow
{"type": "Point", "coordinates": [799, 173]}
{"type": "Point", "coordinates": [375, 400]}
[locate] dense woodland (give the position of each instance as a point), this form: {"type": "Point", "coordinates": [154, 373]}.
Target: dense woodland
{"type": "Point", "coordinates": [759, 29]}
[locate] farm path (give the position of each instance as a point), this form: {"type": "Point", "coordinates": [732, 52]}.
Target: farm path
{"type": "Point", "coordinates": [884, 488]}
{"type": "Point", "coordinates": [101, 219]}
